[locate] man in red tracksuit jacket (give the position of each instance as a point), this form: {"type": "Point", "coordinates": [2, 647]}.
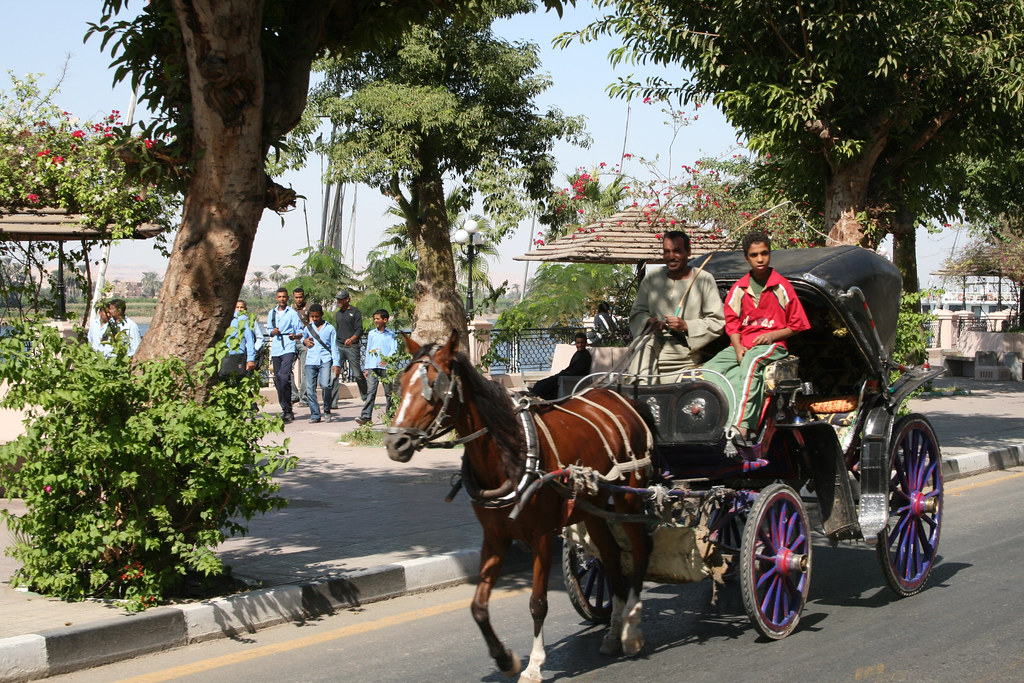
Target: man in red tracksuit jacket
{"type": "Point", "coordinates": [761, 312]}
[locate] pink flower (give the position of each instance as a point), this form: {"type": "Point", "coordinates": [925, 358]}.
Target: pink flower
{"type": "Point", "coordinates": [78, 134]}
{"type": "Point", "coordinates": [34, 198]}
{"type": "Point", "coordinates": [44, 153]}
{"type": "Point", "coordinates": [48, 488]}
{"type": "Point", "coordinates": [58, 160]}
{"type": "Point", "coordinates": [149, 144]}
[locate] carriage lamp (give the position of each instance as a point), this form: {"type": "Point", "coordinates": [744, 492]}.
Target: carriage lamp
{"type": "Point", "coordinates": [472, 239]}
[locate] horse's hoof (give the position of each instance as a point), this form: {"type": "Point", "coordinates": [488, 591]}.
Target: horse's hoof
{"type": "Point", "coordinates": [632, 646]}
{"type": "Point", "coordinates": [611, 645]}
{"type": "Point", "coordinates": [515, 666]}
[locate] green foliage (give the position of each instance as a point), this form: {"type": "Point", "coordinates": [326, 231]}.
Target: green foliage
{"type": "Point", "coordinates": [857, 103]}
{"type": "Point", "coordinates": [129, 480]}
{"type": "Point", "coordinates": [911, 347]}
{"type": "Point", "coordinates": [563, 294]}
{"type": "Point", "coordinates": [388, 284]}
{"type": "Point", "coordinates": [592, 195]}
{"type": "Point", "coordinates": [322, 274]}
{"type": "Point", "coordinates": [447, 97]}
{"type": "Point", "coordinates": [51, 159]}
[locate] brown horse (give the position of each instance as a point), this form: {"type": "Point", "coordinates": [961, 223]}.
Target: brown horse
{"type": "Point", "coordinates": [510, 445]}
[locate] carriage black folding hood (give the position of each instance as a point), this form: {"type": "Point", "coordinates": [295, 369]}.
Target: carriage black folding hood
{"type": "Point", "coordinates": [836, 274]}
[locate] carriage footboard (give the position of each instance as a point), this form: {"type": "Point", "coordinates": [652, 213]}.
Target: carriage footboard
{"type": "Point", "coordinates": [831, 483]}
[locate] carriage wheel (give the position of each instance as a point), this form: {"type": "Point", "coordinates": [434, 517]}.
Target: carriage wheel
{"type": "Point", "coordinates": [775, 561]}
{"type": "Point", "coordinates": [586, 583]}
{"type": "Point", "coordinates": [727, 522]}
{"type": "Point", "coordinates": [907, 546]}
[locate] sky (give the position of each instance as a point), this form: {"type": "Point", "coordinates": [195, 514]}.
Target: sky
{"type": "Point", "coordinates": [580, 75]}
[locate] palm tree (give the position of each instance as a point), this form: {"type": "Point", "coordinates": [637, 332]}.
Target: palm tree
{"type": "Point", "coordinates": [277, 276]}
{"type": "Point", "coordinates": [397, 242]}
{"type": "Point", "coordinates": [150, 284]}
{"type": "Point", "coordinates": [258, 278]}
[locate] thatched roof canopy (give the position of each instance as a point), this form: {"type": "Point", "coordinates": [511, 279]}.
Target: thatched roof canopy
{"type": "Point", "coordinates": [57, 225]}
{"type": "Point", "coordinates": [629, 236]}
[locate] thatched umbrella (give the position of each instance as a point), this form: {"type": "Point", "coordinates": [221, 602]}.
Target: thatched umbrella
{"type": "Point", "coordinates": [629, 236]}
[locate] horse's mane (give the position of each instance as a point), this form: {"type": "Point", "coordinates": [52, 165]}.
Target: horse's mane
{"type": "Point", "coordinates": [495, 407]}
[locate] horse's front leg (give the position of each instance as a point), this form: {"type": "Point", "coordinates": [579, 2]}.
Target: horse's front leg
{"type": "Point", "coordinates": [542, 545]}
{"type": "Point", "coordinates": [492, 554]}
{"type": "Point", "coordinates": [632, 634]}
{"type": "Point", "coordinates": [611, 558]}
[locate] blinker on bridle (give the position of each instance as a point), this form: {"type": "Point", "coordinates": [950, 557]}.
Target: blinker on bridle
{"type": "Point", "coordinates": [442, 388]}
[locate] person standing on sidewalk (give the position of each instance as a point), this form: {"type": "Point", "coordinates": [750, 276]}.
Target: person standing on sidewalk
{"type": "Point", "coordinates": [241, 343]}
{"type": "Point", "coordinates": [298, 381]}
{"type": "Point", "coordinates": [283, 328]}
{"type": "Point", "coordinates": [322, 361]}
{"type": "Point", "coordinates": [380, 343]}
{"type": "Point", "coordinates": [348, 323]}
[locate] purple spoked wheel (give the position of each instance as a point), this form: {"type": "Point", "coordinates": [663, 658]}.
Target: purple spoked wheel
{"type": "Point", "coordinates": [775, 561]}
{"type": "Point", "coordinates": [907, 546]}
{"type": "Point", "coordinates": [726, 525]}
{"type": "Point", "coordinates": [586, 583]}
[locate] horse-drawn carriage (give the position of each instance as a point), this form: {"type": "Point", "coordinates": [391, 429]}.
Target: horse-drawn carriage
{"type": "Point", "coordinates": [831, 432]}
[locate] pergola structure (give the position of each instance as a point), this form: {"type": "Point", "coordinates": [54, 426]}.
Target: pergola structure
{"type": "Point", "coordinates": [629, 236]}
{"type": "Point", "coordinates": [57, 225]}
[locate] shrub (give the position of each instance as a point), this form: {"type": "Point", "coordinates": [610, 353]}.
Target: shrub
{"type": "Point", "coordinates": [129, 481]}
{"type": "Point", "coordinates": [911, 345]}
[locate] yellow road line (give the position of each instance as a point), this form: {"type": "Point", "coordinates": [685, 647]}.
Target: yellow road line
{"type": "Point", "coordinates": [987, 482]}
{"type": "Point", "coordinates": [315, 639]}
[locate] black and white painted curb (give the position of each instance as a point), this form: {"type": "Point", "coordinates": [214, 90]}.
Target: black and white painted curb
{"type": "Point", "coordinates": [62, 650]}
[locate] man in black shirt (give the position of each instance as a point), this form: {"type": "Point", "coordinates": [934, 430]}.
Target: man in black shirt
{"type": "Point", "coordinates": [579, 365]}
{"type": "Point", "coordinates": [348, 322]}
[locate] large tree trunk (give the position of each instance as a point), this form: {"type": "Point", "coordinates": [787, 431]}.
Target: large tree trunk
{"type": "Point", "coordinates": [439, 308]}
{"type": "Point", "coordinates": [225, 195]}
{"type": "Point", "coordinates": [904, 249]}
{"type": "Point", "coordinates": [846, 193]}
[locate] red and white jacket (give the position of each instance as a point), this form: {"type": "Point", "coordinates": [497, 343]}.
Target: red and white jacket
{"type": "Point", "coordinates": [778, 308]}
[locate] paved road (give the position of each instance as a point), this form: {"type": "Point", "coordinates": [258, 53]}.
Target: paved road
{"type": "Point", "coordinates": [965, 626]}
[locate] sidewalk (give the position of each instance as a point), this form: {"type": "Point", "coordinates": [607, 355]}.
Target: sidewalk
{"type": "Point", "coordinates": [360, 528]}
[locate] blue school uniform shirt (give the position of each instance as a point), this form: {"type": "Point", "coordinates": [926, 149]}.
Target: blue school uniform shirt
{"type": "Point", "coordinates": [287, 321]}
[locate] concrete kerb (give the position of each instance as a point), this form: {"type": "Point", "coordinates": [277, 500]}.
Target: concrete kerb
{"type": "Point", "coordinates": [969, 464]}
{"type": "Point", "coordinates": [62, 650]}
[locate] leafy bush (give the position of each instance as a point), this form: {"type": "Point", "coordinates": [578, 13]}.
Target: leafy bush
{"type": "Point", "coordinates": [129, 481]}
{"type": "Point", "coordinates": [911, 345]}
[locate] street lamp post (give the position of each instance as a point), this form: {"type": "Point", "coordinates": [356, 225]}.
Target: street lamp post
{"type": "Point", "coordinates": [469, 236]}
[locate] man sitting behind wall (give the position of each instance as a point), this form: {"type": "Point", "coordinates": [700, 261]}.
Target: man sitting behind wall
{"type": "Point", "coordinates": [579, 366]}
{"type": "Point", "coordinates": [761, 311]}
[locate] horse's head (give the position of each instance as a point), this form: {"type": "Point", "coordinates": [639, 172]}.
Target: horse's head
{"type": "Point", "coordinates": [426, 388]}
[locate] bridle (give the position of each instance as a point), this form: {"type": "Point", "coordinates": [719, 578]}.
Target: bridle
{"type": "Point", "coordinates": [444, 387]}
